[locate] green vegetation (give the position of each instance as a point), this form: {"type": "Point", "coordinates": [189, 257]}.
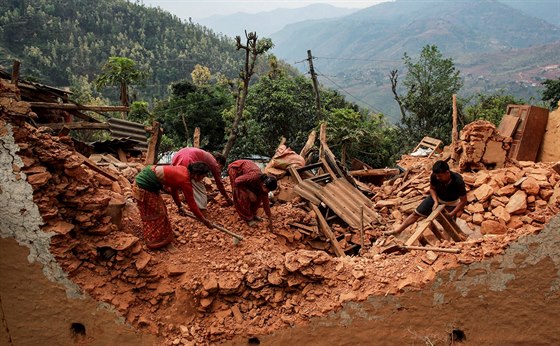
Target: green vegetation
{"type": "Point", "coordinates": [430, 83]}
{"type": "Point", "coordinates": [194, 78]}
{"type": "Point", "coordinates": [57, 40]}
{"type": "Point", "coordinates": [121, 72]}
{"type": "Point", "coordinates": [551, 93]}
{"type": "Point", "coordinates": [489, 107]}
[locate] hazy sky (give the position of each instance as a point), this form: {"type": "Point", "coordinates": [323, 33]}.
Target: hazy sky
{"type": "Point", "coordinates": [198, 9]}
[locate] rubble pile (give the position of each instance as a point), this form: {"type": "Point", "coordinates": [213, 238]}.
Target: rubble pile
{"type": "Point", "coordinates": [482, 146]}
{"type": "Point", "coordinates": [204, 288]}
{"type": "Point", "coordinates": [516, 199]}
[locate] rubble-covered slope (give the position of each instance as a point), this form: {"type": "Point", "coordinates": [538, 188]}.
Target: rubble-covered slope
{"type": "Point", "coordinates": [204, 288]}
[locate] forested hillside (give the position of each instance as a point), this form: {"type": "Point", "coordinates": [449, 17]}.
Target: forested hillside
{"type": "Point", "coordinates": [57, 39]}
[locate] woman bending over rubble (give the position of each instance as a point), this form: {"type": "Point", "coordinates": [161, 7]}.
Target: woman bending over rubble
{"type": "Point", "coordinates": [215, 162]}
{"type": "Point", "coordinates": [250, 188]}
{"type": "Point", "coordinates": [150, 181]}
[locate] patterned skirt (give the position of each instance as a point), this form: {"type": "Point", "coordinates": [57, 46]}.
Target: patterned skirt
{"type": "Point", "coordinates": [157, 230]}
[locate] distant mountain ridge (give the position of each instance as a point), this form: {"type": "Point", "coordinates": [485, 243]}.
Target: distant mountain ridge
{"type": "Point", "coordinates": [266, 23]}
{"type": "Point", "coordinates": [389, 29]}
{"type": "Point", "coordinates": [360, 49]}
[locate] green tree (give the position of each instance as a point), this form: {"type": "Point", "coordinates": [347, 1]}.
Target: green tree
{"type": "Point", "coordinates": [121, 72]}
{"type": "Point", "coordinates": [359, 135]}
{"type": "Point", "coordinates": [284, 107]}
{"type": "Point", "coordinates": [551, 93]}
{"type": "Point", "coordinates": [490, 107]}
{"type": "Point", "coordinates": [190, 106]}
{"type": "Point", "coordinates": [201, 75]}
{"type": "Point", "coordinates": [430, 83]}
{"type": "Point", "coordinates": [140, 113]}
{"type": "Point", "coordinates": [252, 48]}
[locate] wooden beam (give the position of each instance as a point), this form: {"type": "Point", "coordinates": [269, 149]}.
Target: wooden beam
{"type": "Point", "coordinates": [450, 227]}
{"type": "Point", "coordinates": [72, 106]}
{"type": "Point", "coordinates": [81, 125]}
{"type": "Point", "coordinates": [151, 155]}
{"type": "Point", "coordinates": [424, 225]}
{"type": "Point", "coordinates": [196, 137]}
{"type": "Point", "coordinates": [431, 248]}
{"type": "Point", "coordinates": [325, 228]}
{"type": "Point", "coordinates": [96, 168]}
{"type": "Point", "coordinates": [454, 133]}
{"type": "Point", "coordinates": [374, 172]}
{"type": "Point", "coordinates": [308, 145]}
{"type": "Point", "coordinates": [15, 72]}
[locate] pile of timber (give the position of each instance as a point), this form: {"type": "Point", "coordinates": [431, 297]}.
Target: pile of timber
{"type": "Point", "coordinates": [523, 196]}
{"type": "Point", "coordinates": [333, 198]}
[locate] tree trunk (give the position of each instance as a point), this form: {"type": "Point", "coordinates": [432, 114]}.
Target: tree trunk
{"type": "Point", "coordinates": [124, 97]}
{"type": "Point", "coordinates": [394, 77]}
{"type": "Point", "coordinates": [186, 128]}
{"type": "Point", "coordinates": [251, 54]}
{"type": "Point", "coordinates": [235, 126]}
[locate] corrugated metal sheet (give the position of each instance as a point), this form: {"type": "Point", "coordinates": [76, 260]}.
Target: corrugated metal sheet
{"type": "Point", "coordinates": [131, 130]}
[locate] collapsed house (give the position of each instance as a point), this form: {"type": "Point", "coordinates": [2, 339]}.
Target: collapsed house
{"type": "Point", "coordinates": [78, 219]}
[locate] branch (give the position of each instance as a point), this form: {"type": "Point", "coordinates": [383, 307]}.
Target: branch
{"type": "Point", "coordinates": [393, 76]}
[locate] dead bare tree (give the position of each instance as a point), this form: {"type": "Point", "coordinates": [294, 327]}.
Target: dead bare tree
{"type": "Point", "coordinates": [393, 76]}
{"type": "Point", "coordinates": [253, 48]}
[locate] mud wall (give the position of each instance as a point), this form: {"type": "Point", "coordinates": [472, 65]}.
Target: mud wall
{"type": "Point", "coordinates": [511, 299]}
{"type": "Point", "coordinates": [548, 151]}
{"type": "Point", "coordinates": [38, 304]}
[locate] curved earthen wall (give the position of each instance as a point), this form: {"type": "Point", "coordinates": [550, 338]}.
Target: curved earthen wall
{"type": "Point", "coordinates": [512, 299]}
{"type": "Point", "coordinates": [39, 305]}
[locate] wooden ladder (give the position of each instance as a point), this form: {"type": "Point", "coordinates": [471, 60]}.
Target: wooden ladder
{"type": "Point", "coordinates": [449, 230]}
{"type": "Point", "coordinates": [431, 143]}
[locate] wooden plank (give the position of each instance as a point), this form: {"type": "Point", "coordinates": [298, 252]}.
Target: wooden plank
{"type": "Point", "coordinates": [431, 248]}
{"type": "Point", "coordinates": [330, 160]}
{"type": "Point", "coordinates": [508, 125]}
{"type": "Point", "coordinates": [308, 145]}
{"type": "Point", "coordinates": [15, 72]}
{"type": "Point", "coordinates": [324, 227]}
{"type": "Point", "coordinates": [328, 169]}
{"type": "Point", "coordinates": [303, 228]}
{"type": "Point", "coordinates": [122, 155]}
{"type": "Point", "coordinates": [151, 155]}
{"type": "Point", "coordinates": [436, 232]}
{"type": "Point", "coordinates": [81, 125]}
{"type": "Point", "coordinates": [295, 174]}
{"type": "Point", "coordinates": [424, 225]}
{"type": "Point", "coordinates": [374, 172]}
{"type": "Point", "coordinates": [96, 168]}
{"type": "Point", "coordinates": [73, 106]}
{"type": "Point", "coordinates": [450, 227]}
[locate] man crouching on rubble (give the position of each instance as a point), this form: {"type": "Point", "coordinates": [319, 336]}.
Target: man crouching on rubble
{"type": "Point", "coordinates": [150, 181]}
{"type": "Point", "coordinates": [447, 188]}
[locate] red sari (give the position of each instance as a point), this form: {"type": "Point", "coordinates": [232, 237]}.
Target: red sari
{"type": "Point", "coordinates": [247, 187]}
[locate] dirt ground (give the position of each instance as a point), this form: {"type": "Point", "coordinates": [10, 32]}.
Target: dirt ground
{"type": "Point", "coordinates": [204, 289]}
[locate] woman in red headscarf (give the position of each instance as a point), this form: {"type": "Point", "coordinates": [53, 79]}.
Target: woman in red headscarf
{"type": "Point", "coordinates": [250, 188]}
